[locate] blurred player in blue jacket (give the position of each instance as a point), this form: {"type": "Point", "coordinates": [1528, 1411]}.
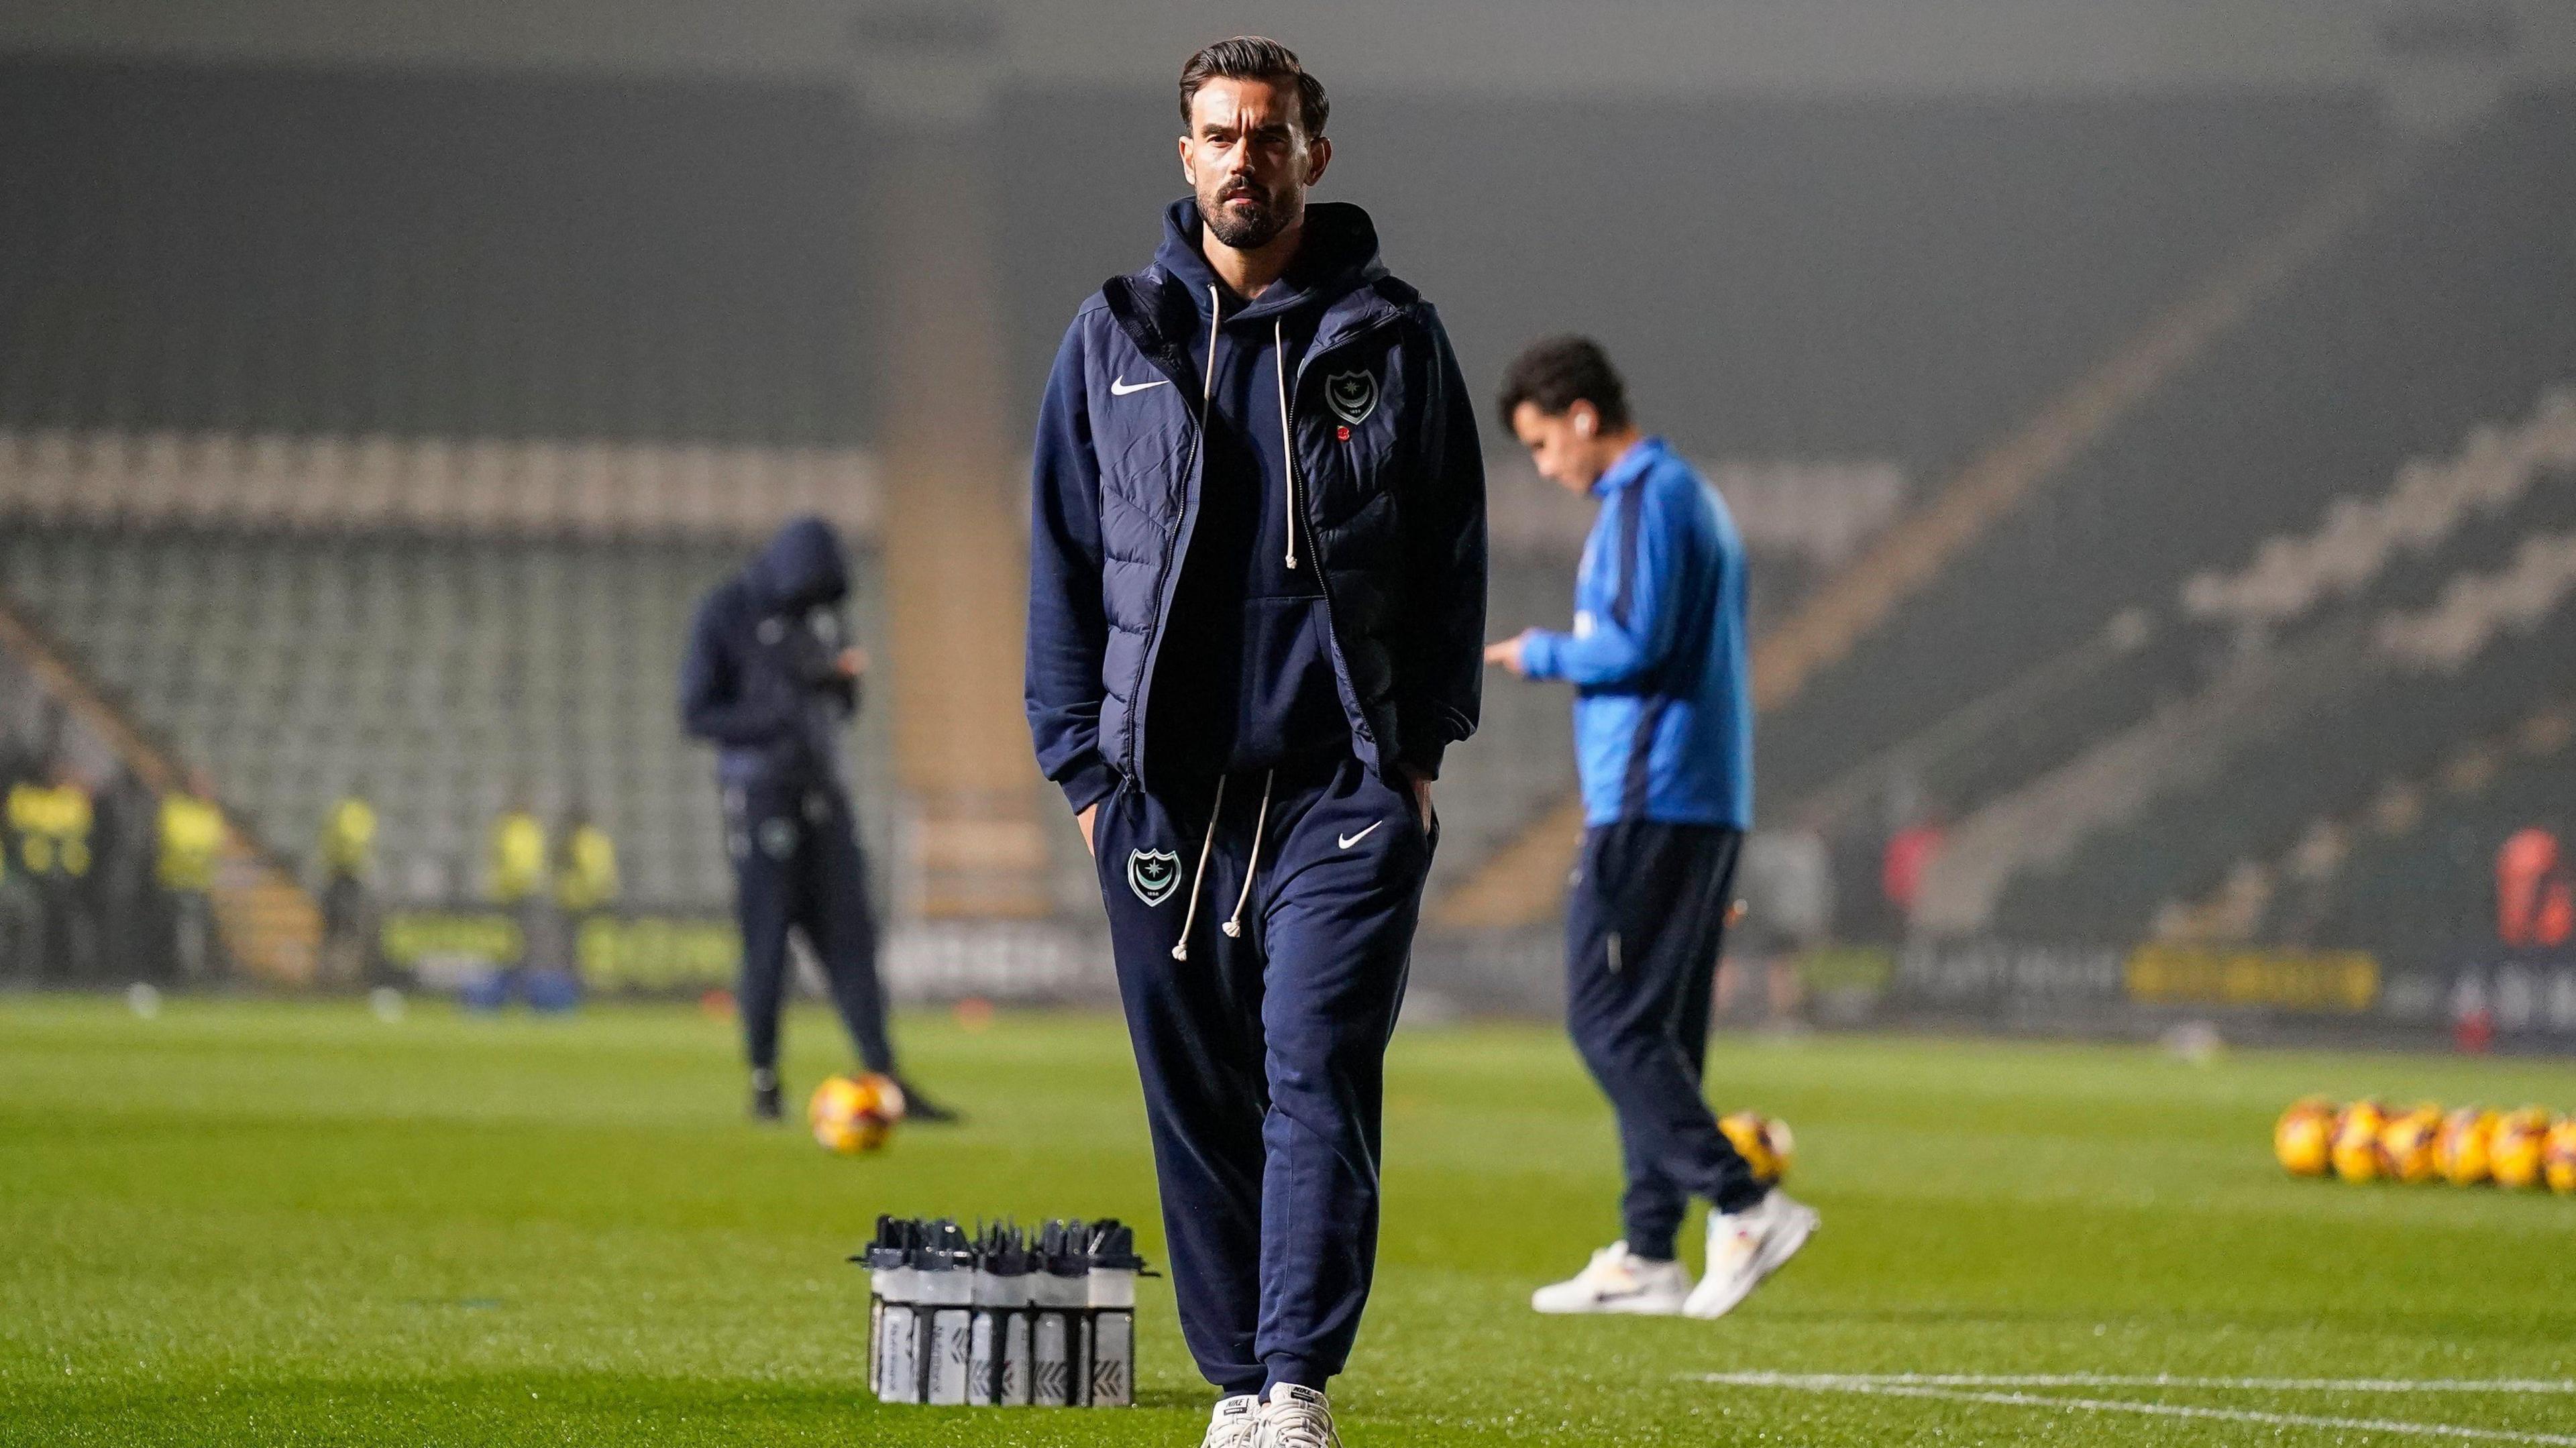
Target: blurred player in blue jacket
{"type": "Point", "coordinates": [1663, 738]}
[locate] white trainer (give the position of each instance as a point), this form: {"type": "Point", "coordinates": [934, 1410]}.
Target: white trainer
{"type": "Point", "coordinates": [1618, 1280]}
{"type": "Point", "coordinates": [1236, 1423]}
{"type": "Point", "coordinates": [1745, 1247]}
{"type": "Point", "coordinates": [1297, 1417]}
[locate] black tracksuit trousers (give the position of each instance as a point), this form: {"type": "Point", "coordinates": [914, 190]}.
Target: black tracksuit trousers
{"type": "Point", "coordinates": [796, 864]}
{"type": "Point", "coordinates": [1644, 921]}
{"type": "Point", "coordinates": [1262, 1046]}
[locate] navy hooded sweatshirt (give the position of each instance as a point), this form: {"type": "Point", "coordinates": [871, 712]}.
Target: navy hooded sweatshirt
{"type": "Point", "coordinates": [1248, 653]}
{"type": "Point", "coordinates": [761, 678]}
{"type": "Point", "coordinates": [1162, 533]}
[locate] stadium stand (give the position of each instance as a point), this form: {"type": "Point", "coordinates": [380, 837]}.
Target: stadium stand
{"type": "Point", "coordinates": [2418, 884]}
{"type": "Point", "coordinates": [538, 324]}
{"type": "Point", "coordinates": [2474, 608]}
{"type": "Point", "coordinates": [2359, 537]}
{"type": "Point", "coordinates": [2324, 740]}
{"type": "Point", "coordinates": [585, 489]}
{"type": "Point", "coordinates": [2430, 346]}
{"type": "Point", "coordinates": [2409, 873]}
{"type": "Point", "coordinates": [2402, 335]}
{"type": "Point", "coordinates": [2517, 482]}
{"type": "Point", "coordinates": [269, 924]}
{"type": "Point", "coordinates": [439, 672]}
{"type": "Point", "coordinates": [1491, 793]}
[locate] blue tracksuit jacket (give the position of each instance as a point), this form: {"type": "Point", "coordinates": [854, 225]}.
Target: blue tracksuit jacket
{"type": "Point", "coordinates": [1663, 705]}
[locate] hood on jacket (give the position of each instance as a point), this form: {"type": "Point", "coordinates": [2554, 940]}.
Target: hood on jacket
{"type": "Point", "coordinates": [1337, 256]}
{"type": "Point", "coordinates": [801, 567]}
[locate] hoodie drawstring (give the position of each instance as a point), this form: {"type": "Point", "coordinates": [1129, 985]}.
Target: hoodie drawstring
{"type": "Point", "coordinates": [1287, 444]}
{"type": "Point", "coordinates": [1233, 926]}
{"type": "Point", "coordinates": [1207, 378]}
{"type": "Point", "coordinates": [1252, 863]}
{"type": "Point", "coordinates": [1189, 917]}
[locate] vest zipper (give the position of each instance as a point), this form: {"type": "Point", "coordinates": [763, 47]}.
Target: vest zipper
{"type": "Point", "coordinates": [1296, 507]}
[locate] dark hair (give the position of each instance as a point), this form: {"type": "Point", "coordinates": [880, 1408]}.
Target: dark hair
{"type": "Point", "coordinates": [1249, 57]}
{"type": "Point", "coordinates": [1558, 372]}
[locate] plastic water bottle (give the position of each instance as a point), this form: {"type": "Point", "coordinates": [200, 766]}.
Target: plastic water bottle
{"type": "Point", "coordinates": [947, 1298]}
{"type": "Point", "coordinates": [894, 1289]}
{"type": "Point", "coordinates": [1060, 1296]}
{"type": "Point", "coordinates": [997, 1357]}
{"type": "Point", "coordinates": [1112, 1297]}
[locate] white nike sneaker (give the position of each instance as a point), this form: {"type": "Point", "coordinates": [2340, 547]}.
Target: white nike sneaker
{"type": "Point", "coordinates": [1618, 1280]}
{"type": "Point", "coordinates": [1236, 1423]}
{"type": "Point", "coordinates": [1297, 1417]}
{"type": "Point", "coordinates": [1745, 1247]}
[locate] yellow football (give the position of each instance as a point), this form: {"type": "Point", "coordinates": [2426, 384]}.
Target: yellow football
{"type": "Point", "coordinates": [1764, 1142]}
{"type": "Point", "coordinates": [2303, 1139]}
{"type": "Point", "coordinates": [2513, 1153]}
{"type": "Point", "coordinates": [2356, 1151]}
{"type": "Point", "coordinates": [2406, 1143]}
{"type": "Point", "coordinates": [852, 1114]}
{"type": "Point", "coordinates": [2460, 1148]}
{"type": "Point", "coordinates": [2558, 1157]}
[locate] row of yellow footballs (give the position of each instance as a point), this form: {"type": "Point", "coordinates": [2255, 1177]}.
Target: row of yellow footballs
{"type": "Point", "coordinates": [2364, 1141]}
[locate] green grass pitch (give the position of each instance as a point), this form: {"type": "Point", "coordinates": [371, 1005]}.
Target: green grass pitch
{"type": "Point", "coordinates": [290, 1223]}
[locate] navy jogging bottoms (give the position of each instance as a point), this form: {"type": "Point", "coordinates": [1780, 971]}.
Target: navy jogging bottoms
{"type": "Point", "coordinates": [1261, 1048]}
{"type": "Point", "coordinates": [1643, 925]}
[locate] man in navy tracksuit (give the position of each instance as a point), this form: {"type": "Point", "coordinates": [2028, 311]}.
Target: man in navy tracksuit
{"type": "Point", "coordinates": [769, 680]}
{"type": "Point", "coordinates": [1663, 730]}
{"type": "Point", "coordinates": [1256, 600]}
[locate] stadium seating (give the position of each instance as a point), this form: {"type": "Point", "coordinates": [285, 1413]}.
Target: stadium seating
{"type": "Point", "coordinates": [2407, 333]}
{"type": "Point", "coordinates": [440, 673]}
{"type": "Point", "coordinates": [2478, 528]}
{"type": "Point", "coordinates": [334, 281]}
{"type": "Point", "coordinates": [1522, 760]}
{"type": "Point", "coordinates": [2292, 574]}
{"type": "Point", "coordinates": [2475, 607]}
{"type": "Point", "coordinates": [2395, 715]}
{"type": "Point", "coordinates": [591, 489]}
{"type": "Point", "coordinates": [2335, 630]}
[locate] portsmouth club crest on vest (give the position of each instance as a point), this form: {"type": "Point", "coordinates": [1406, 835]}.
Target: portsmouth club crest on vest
{"type": "Point", "coordinates": [1351, 395]}
{"type": "Point", "coordinates": [1153, 874]}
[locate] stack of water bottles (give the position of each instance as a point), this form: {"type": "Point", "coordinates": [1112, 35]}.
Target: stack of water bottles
{"type": "Point", "coordinates": [1001, 1317]}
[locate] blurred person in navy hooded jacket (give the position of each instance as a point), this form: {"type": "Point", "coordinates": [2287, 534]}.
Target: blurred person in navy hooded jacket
{"type": "Point", "coordinates": [771, 682]}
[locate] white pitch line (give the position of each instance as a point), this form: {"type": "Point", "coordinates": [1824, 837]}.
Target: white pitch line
{"type": "Point", "coordinates": [2172, 1410]}
{"type": "Point", "coordinates": [1856, 1381]}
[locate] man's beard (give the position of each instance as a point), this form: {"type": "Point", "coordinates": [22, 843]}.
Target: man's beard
{"type": "Point", "coordinates": [1251, 228]}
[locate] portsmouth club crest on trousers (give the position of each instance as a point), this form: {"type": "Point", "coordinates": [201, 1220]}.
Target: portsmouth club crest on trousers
{"type": "Point", "coordinates": [1153, 874]}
